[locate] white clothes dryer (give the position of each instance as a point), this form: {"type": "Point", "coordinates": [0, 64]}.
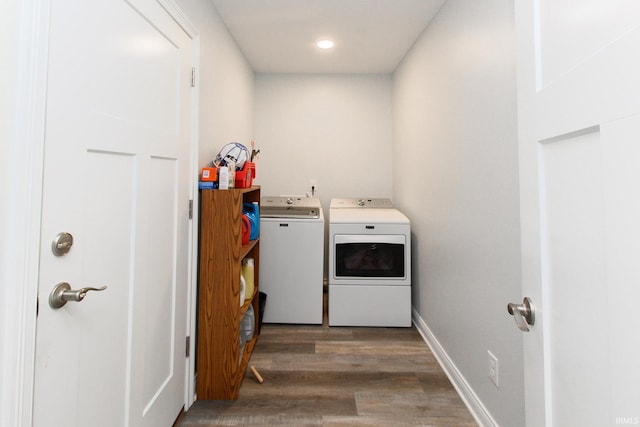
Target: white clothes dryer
{"type": "Point", "coordinates": [369, 264]}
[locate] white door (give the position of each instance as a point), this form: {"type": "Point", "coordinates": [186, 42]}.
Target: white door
{"type": "Point", "coordinates": [116, 176]}
{"type": "Point", "coordinates": [579, 113]}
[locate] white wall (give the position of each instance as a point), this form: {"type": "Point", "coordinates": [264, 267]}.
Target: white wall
{"type": "Point", "coordinates": [454, 111]}
{"type": "Point", "coordinates": [335, 129]}
{"type": "Point", "coordinates": [225, 82]}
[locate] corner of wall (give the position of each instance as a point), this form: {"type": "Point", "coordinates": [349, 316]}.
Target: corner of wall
{"type": "Point", "coordinates": [468, 396]}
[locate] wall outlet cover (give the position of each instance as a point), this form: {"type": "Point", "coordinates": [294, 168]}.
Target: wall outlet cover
{"type": "Point", "coordinates": [493, 368]}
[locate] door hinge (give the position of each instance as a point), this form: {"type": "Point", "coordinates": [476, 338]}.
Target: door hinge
{"type": "Point", "coordinates": [191, 209]}
{"type": "Point", "coordinates": [187, 352]}
{"type": "Point", "coordinates": [193, 76]}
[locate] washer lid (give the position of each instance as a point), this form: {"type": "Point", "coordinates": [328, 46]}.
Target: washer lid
{"type": "Point", "coordinates": [361, 203]}
{"type": "Point", "coordinates": [289, 207]}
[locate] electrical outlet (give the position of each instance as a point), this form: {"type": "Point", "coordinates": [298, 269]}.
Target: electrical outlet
{"type": "Point", "coordinates": [313, 186]}
{"type": "Point", "coordinates": [493, 368]}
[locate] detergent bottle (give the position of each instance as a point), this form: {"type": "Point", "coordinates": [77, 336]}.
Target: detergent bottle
{"type": "Point", "coordinates": [248, 274]}
{"type": "Point", "coordinates": [252, 211]}
{"type": "Point", "coordinates": [246, 229]}
{"type": "Point", "coordinates": [243, 289]}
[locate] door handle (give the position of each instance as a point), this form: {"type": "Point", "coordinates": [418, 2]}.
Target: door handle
{"type": "Point", "coordinates": [523, 314]}
{"type": "Point", "coordinates": [62, 293]}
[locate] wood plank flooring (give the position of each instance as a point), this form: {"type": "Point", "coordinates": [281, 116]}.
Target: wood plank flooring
{"type": "Point", "coordinates": [339, 376]}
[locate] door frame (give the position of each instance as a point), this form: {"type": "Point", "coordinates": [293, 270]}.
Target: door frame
{"type": "Point", "coordinates": [26, 166]}
{"type": "Point", "coordinates": [536, 341]}
{"type": "Point", "coordinates": [26, 180]}
{"type": "Point", "coordinates": [192, 259]}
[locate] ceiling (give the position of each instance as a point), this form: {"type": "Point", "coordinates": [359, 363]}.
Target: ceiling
{"type": "Point", "coordinates": [371, 36]}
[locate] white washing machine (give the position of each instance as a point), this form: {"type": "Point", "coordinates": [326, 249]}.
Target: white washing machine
{"type": "Point", "coordinates": [292, 259]}
{"type": "Point", "coordinates": [369, 264]}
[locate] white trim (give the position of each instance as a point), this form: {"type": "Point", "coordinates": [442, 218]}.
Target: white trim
{"type": "Point", "coordinates": [19, 293]}
{"type": "Point", "coordinates": [470, 399]}
{"type": "Point", "coordinates": [192, 278]}
{"type": "Point", "coordinates": [180, 17]}
{"type": "Point", "coordinates": [190, 391]}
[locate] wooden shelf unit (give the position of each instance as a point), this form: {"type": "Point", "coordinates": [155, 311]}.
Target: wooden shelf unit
{"type": "Point", "coordinates": [221, 362]}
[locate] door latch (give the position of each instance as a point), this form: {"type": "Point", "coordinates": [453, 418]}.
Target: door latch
{"type": "Point", "coordinates": [62, 244]}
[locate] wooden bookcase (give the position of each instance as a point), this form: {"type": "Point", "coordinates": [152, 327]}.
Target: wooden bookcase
{"type": "Point", "coordinates": [221, 362]}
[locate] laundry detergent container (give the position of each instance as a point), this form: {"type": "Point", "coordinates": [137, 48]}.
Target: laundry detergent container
{"type": "Point", "coordinates": [252, 211]}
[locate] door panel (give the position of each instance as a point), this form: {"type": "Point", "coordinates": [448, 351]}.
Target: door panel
{"type": "Point", "coordinates": [116, 177]}
{"type": "Point", "coordinates": [571, 31]}
{"type": "Point", "coordinates": [622, 243]}
{"type": "Point", "coordinates": [160, 295]}
{"type": "Point", "coordinates": [573, 213]}
{"type": "Point", "coordinates": [601, 89]}
{"type": "Point", "coordinates": [99, 331]}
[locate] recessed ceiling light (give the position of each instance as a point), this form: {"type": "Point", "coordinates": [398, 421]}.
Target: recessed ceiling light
{"type": "Point", "coordinates": [325, 44]}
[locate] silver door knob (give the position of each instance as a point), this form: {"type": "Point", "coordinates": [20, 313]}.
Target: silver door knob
{"type": "Point", "coordinates": [62, 293]}
{"type": "Point", "coordinates": [523, 314]}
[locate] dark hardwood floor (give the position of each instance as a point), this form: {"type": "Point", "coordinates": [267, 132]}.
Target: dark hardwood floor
{"type": "Point", "coordinates": [339, 376]}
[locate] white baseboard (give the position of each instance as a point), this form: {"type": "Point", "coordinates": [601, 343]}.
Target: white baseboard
{"type": "Point", "coordinates": [470, 399]}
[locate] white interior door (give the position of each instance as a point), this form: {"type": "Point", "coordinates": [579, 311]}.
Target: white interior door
{"type": "Point", "coordinates": [116, 171]}
{"type": "Point", "coordinates": [579, 112]}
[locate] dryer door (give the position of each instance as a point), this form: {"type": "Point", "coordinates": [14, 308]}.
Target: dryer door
{"type": "Point", "coordinates": [370, 256]}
